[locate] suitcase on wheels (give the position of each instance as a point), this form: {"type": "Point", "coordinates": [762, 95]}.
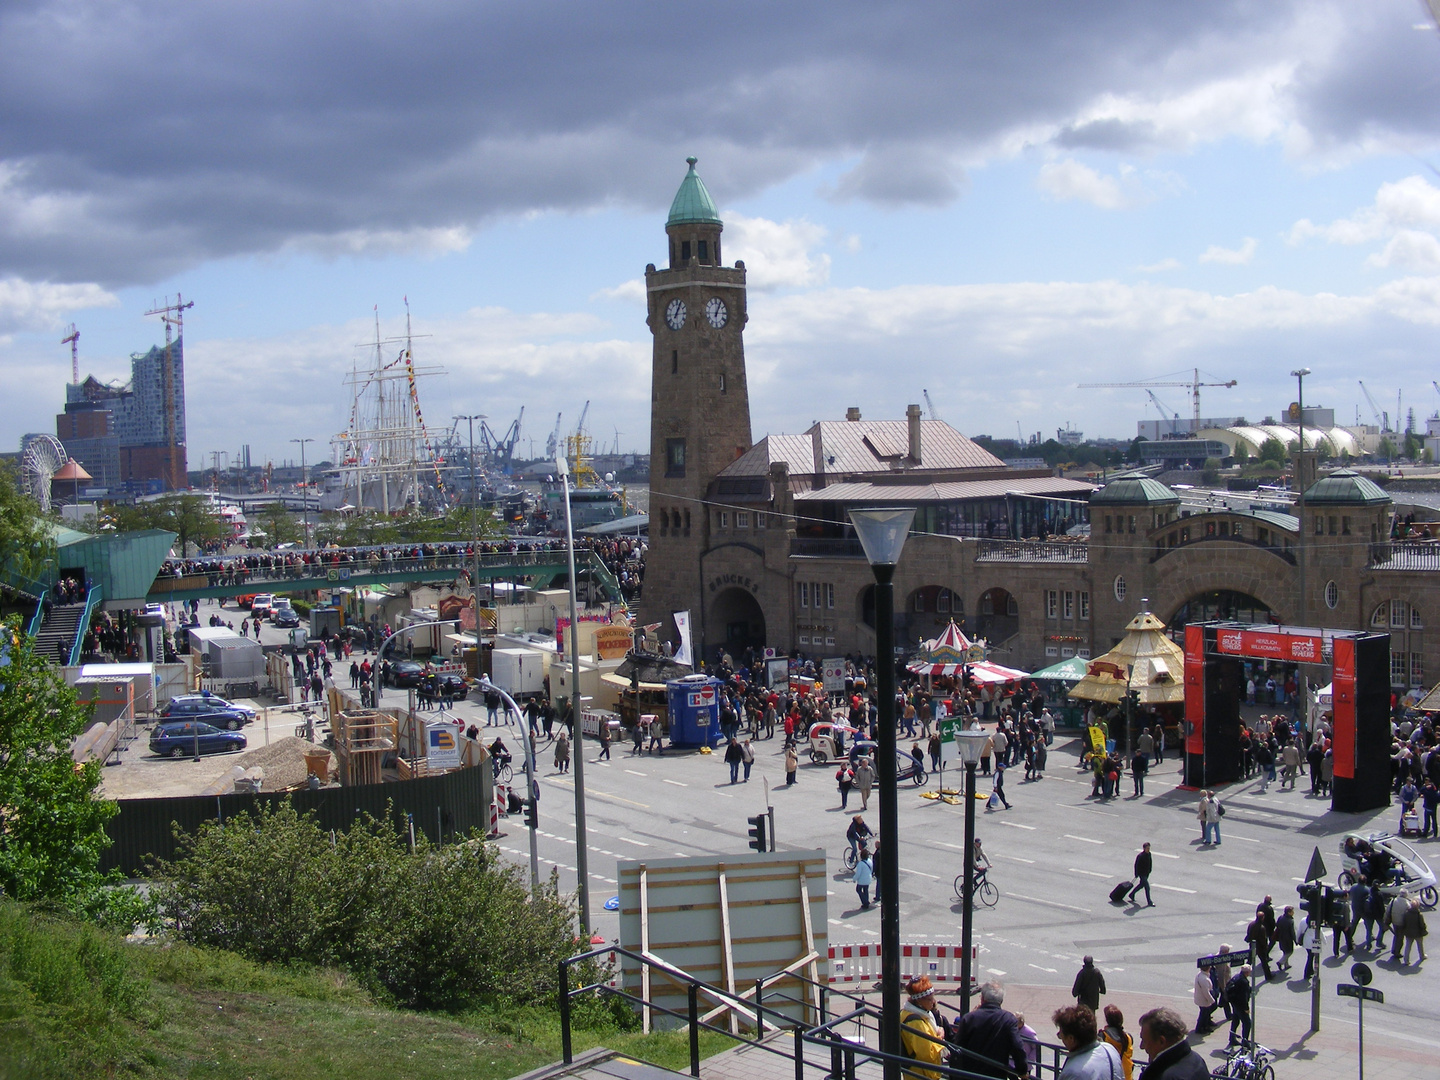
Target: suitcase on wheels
{"type": "Point", "coordinates": [1117, 894]}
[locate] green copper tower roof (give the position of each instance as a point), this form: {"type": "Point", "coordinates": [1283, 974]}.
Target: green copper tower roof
{"type": "Point", "coordinates": [693, 204]}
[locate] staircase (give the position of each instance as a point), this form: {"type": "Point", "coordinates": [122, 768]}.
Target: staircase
{"type": "Point", "coordinates": [56, 637]}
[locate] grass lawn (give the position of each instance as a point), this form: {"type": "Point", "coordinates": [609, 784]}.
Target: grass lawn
{"type": "Point", "coordinates": [78, 1003]}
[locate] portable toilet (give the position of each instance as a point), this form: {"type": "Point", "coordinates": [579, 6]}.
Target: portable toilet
{"type": "Point", "coordinates": [694, 704]}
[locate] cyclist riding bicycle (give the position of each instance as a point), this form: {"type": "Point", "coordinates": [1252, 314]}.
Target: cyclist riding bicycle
{"type": "Point", "coordinates": [980, 861]}
{"type": "Point", "coordinates": [499, 756]}
{"type": "Point", "coordinates": [858, 834]}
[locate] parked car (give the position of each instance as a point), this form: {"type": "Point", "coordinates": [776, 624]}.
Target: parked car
{"type": "Point", "coordinates": [404, 673]}
{"type": "Point", "coordinates": [179, 738]}
{"type": "Point", "coordinates": [246, 599]}
{"type": "Point", "coordinates": [261, 604]}
{"type": "Point", "coordinates": [209, 707]}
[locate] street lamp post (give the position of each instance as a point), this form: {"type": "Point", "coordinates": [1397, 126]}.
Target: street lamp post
{"type": "Point", "coordinates": [377, 685]}
{"type": "Point", "coordinates": [305, 488]}
{"type": "Point", "coordinates": [971, 745]}
{"type": "Point", "coordinates": [470, 418]}
{"type": "Point", "coordinates": [582, 854]}
{"type": "Point", "coordinates": [1300, 374]}
{"type": "Point", "coordinates": [534, 789]}
{"type": "Point", "coordinates": [882, 534]}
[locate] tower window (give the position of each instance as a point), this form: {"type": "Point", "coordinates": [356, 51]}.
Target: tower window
{"type": "Point", "coordinates": [722, 382]}
{"type": "Point", "coordinates": [704, 250]}
{"type": "Point", "coordinates": [674, 361]}
{"type": "Point", "coordinates": [684, 251]}
{"type": "Point", "coordinates": [674, 457]}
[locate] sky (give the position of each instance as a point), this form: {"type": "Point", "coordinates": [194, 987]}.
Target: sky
{"type": "Point", "coordinates": [991, 202]}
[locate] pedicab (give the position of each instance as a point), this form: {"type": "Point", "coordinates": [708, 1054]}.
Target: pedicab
{"type": "Point", "coordinates": [1406, 868]}
{"type": "Point", "coordinates": [827, 741]}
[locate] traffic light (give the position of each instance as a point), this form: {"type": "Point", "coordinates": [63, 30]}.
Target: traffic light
{"type": "Point", "coordinates": [757, 833]}
{"type": "Point", "coordinates": [1337, 907]}
{"type": "Point", "coordinates": [532, 813]}
{"type": "Point", "coordinates": [1312, 901]}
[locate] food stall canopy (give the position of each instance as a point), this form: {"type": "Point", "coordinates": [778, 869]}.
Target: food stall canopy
{"type": "Point", "coordinates": [946, 654]}
{"type": "Point", "coordinates": [1070, 671]}
{"type": "Point", "coordinates": [987, 672]}
{"type": "Point", "coordinates": [1145, 661]}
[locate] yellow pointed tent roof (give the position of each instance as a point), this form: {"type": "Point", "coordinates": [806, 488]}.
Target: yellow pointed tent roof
{"type": "Point", "coordinates": [1145, 661]}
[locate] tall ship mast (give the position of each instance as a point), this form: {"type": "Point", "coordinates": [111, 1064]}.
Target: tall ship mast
{"type": "Point", "coordinates": [387, 460]}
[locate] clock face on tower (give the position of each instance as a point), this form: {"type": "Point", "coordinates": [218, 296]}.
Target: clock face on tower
{"type": "Point", "coordinates": [716, 313]}
{"type": "Point", "coordinates": [675, 314]}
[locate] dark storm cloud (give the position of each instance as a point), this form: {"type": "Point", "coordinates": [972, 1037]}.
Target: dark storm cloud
{"type": "Point", "coordinates": [140, 138]}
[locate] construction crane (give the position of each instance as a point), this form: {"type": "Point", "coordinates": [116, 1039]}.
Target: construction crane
{"type": "Point", "coordinates": [552, 444]}
{"type": "Point", "coordinates": [501, 448]}
{"type": "Point", "coordinates": [930, 405]}
{"type": "Point", "coordinates": [580, 427]}
{"type": "Point", "coordinates": [1172, 416]}
{"type": "Point", "coordinates": [1382, 419]}
{"type": "Point", "coordinates": [1193, 384]}
{"type": "Point", "coordinates": [72, 338]}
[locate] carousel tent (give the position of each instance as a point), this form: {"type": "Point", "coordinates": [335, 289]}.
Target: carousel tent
{"type": "Point", "coordinates": [944, 655]}
{"type": "Point", "coordinates": [1145, 661]}
{"type": "Point", "coordinates": [984, 671]}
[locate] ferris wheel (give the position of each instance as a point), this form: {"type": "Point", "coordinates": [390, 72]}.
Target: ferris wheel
{"type": "Point", "coordinates": [39, 462]}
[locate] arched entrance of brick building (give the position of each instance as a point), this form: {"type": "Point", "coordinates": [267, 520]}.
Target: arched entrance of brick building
{"type": "Point", "coordinates": [735, 622]}
{"type": "Point", "coordinates": [997, 618]}
{"type": "Point", "coordinates": [926, 613]}
{"type": "Point", "coordinates": [1218, 604]}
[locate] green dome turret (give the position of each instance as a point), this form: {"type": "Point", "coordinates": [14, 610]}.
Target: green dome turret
{"type": "Point", "coordinates": [693, 205]}
{"type": "Point", "coordinates": [1134, 489]}
{"type": "Point", "coordinates": [1345, 487]}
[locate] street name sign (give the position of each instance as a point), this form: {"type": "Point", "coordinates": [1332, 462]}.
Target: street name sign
{"type": "Point", "coordinates": [1364, 993]}
{"type": "Point", "coordinates": [1220, 959]}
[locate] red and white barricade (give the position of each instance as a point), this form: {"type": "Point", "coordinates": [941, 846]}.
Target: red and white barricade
{"type": "Point", "coordinates": [861, 963]}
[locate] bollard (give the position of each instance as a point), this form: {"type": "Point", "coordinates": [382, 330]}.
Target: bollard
{"type": "Point", "coordinates": [564, 983]}
{"type": "Point", "coordinates": [694, 1030]}
{"type": "Point", "coordinates": [759, 1010]}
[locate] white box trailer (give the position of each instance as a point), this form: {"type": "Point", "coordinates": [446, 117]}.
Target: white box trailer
{"type": "Point", "coordinates": [519, 672]}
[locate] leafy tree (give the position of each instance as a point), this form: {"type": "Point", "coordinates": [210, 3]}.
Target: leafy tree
{"type": "Point", "coordinates": [52, 824]}
{"type": "Point", "coordinates": [1272, 452]}
{"type": "Point", "coordinates": [1211, 472]}
{"type": "Point", "coordinates": [1242, 452]}
{"type": "Point", "coordinates": [1414, 443]}
{"type": "Point", "coordinates": [279, 525]}
{"type": "Point", "coordinates": [26, 548]}
{"type": "Point", "coordinates": [1386, 449]}
{"type": "Point", "coordinates": [192, 518]}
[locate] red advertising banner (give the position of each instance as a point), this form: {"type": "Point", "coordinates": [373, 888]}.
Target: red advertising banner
{"type": "Point", "coordinates": [1343, 705]}
{"type": "Point", "coordinates": [1297, 648]}
{"type": "Point", "coordinates": [1195, 689]}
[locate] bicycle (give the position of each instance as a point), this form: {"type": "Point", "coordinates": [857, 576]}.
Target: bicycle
{"type": "Point", "coordinates": [504, 774]}
{"type": "Point", "coordinates": [1248, 1061]}
{"type": "Point", "coordinates": [985, 890]}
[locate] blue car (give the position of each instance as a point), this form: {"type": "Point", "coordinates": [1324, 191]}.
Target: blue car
{"type": "Point", "coordinates": [178, 739]}
{"type": "Point", "coordinates": [210, 708]}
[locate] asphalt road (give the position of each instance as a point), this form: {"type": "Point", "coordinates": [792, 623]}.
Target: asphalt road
{"type": "Point", "coordinates": [1057, 854]}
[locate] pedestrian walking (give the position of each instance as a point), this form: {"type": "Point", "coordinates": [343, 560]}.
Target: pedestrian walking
{"type": "Point", "coordinates": [1285, 936]}
{"type": "Point", "coordinates": [562, 751]}
{"type": "Point", "coordinates": [604, 742]}
{"type": "Point", "coordinates": [1115, 1034]}
{"type": "Point", "coordinates": [1210, 814]}
{"type": "Point", "coordinates": [792, 765]}
{"type": "Point", "coordinates": [864, 875]}
{"type": "Point", "coordinates": [1089, 1057]}
{"type": "Point", "coordinates": [1139, 766]}
{"type": "Point", "coordinates": [1089, 985]}
{"type": "Point", "coordinates": [844, 780]}
{"type": "Point", "coordinates": [1237, 996]}
{"type": "Point", "coordinates": [1144, 862]}
{"type": "Point", "coordinates": [734, 757]}
{"type": "Point", "coordinates": [999, 788]}
{"type": "Point", "coordinates": [864, 780]}
{"type": "Point", "coordinates": [637, 738]}
{"type": "Point", "coordinates": [991, 1040]}
{"type": "Point", "coordinates": [1162, 1037]}
{"type": "Point", "coordinates": [1206, 1001]}
{"type": "Point", "coordinates": [1260, 941]}
{"type": "Point", "coordinates": [747, 757]}
{"type": "Point", "coordinates": [1415, 930]}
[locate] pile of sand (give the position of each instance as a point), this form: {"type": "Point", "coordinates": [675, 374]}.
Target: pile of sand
{"type": "Point", "coordinates": [283, 762]}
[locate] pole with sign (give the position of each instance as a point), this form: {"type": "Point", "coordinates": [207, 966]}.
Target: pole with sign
{"type": "Point", "coordinates": [1316, 873]}
{"type": "Point", "coordinates": [1362, 993]}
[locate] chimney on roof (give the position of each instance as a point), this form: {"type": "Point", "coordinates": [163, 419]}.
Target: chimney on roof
{"type": "Point", "coordinates": [852, 414]}
{"type": "Point", "coordinates": [912, 415]}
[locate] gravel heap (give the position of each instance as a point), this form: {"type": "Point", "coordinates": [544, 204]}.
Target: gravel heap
{"type": "Point", "coordinates": [283, 762]}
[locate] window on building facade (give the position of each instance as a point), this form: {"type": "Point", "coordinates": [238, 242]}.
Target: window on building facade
{"type": "Point", "coordinates": [829, 597]}
{"type": "Point", "coordinates": [802, 592]}
{"type": "Point", "coordinates": [1332, 595]}
{"type": "Point", "coordinates": [1085, 605]}
{"type": "Point", "coordinates": [1084, 654]}
{"type": "Point", "coordinates": [1068, 607]}
{"type": "Point", "coordinates": [1120, 589]}
{"type": "Point", "coordinates": [1052, 603]}
{"type": "Point", "coordinates": [942, 600]}
{"type": "Point", "coordinates": [674, 457]}
{"type": "Point", "coordinates": [742, 519]}
{"type": "Point", "coordinates": [724, 517]}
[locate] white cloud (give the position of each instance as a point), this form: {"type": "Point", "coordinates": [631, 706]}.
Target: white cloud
{"type": "Point", "coordinates": [378, 243]}
{"type": "Point", "coordinates": [1231, 256]}
{"type": "Point", "coordinates": [625, 292]}
{"type": "Point", "coordinates": [776, 254]}
{"type": "Point", "coordinates": [1412, 202]}
{"type": "Point", "coordinates": [1410, 249]}
{"type": "Point", "coordinates": [1069, 179]}
{"type": "Point", "coordinates": [44, 305]}
{"type": "Point", "coordinates": [1160, 267]}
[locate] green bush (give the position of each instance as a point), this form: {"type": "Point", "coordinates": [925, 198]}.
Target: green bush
{"type": "Point", "coordinates": [452, 928]}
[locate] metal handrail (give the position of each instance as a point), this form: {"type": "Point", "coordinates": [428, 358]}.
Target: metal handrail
{"type": "Point", "coordinates": [38, 619]}
{"type": "Point", "coordinates": [1032, 551]}
{"type": "Point", "coordinates": [77, 647]}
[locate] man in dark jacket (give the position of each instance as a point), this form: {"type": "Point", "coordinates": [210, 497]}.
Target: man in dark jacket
{"type": "Point", "coordinates": [989, 1037]}
{"type": "Point", "coordinates": [1144, 863]}
{"type": "Point", "coordinates": [1260, 941]}
{"type": "Point", "coordinates": [1162, 1036]}
{"type": "Point", "coordinates": [1089, 985]}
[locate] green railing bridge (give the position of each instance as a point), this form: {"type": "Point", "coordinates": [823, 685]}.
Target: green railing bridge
{"type": "Point", "coordinates": [539, 568]}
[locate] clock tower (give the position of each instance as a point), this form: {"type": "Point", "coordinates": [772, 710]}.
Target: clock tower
{"type": "Point", "coordinates": [699, 403]}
